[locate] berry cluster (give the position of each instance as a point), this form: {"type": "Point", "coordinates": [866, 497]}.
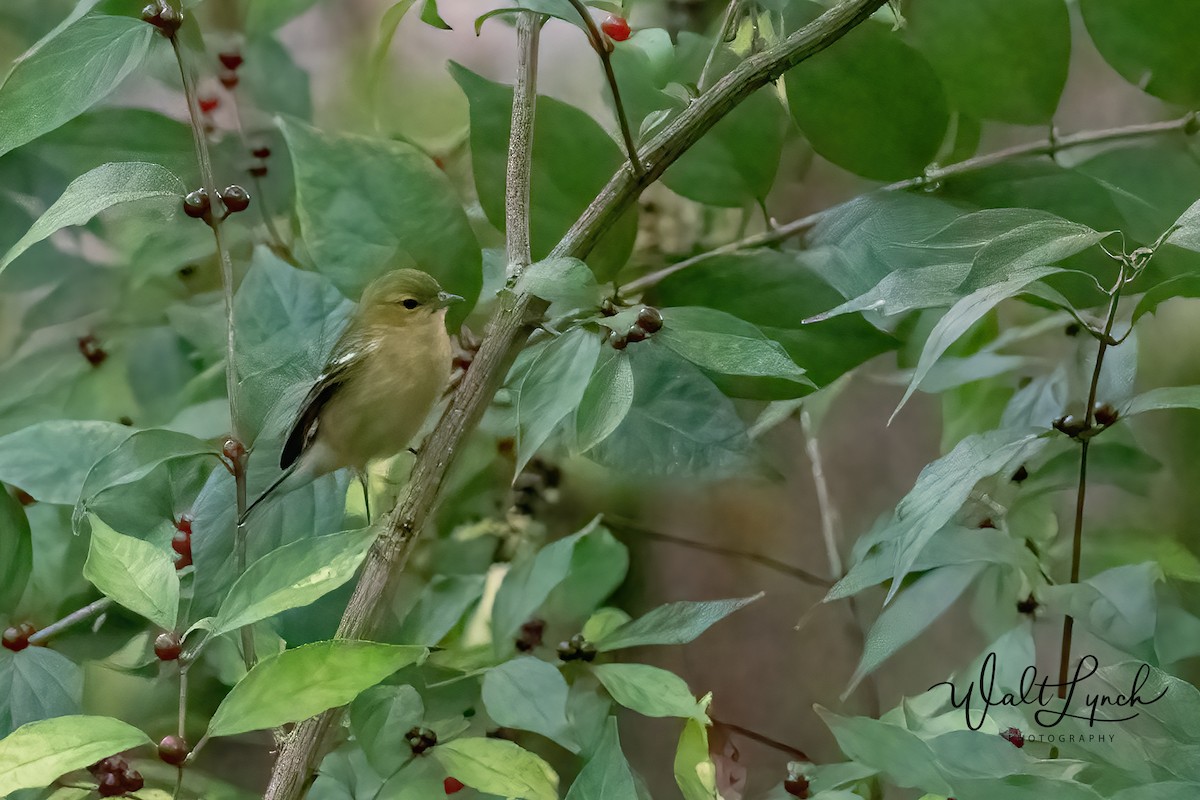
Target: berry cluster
{"type": "Point", "coordinates": [16, 637]}
{"type": "Point", "coordinates": [576, 649]}
{"type": "Point", "coordinates": [1014, 737]}
{"type": "Point", "coordinates": [1104, 414]}
{"type": "Point", "coordinates": [198, 206]}
{"type": "Point", "coordinates": [530, 635]}
{"type": "Point", "coordinates": [230, 61]}
{"type": "Point", "coordinates": [115, 777]}
{"type": "Point", "coordinates": [181, 542]}
{"type": "Point", "coordinates": [162, 16]}
{"type": "Point", "coordinates": [649, 321]}
{"type": "Point", "coordinates": [89, 348]}
{"type": "Point", "coordinates": [420, 740]}
{"type": "Point", "coordinates": [174, 750]}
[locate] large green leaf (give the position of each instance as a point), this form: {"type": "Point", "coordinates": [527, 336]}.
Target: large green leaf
{"type": "Point", "coordinates": [292, 576]}
{"type": "Point", "coordinates": [441, 604]}
{"type": "Point", "coordinates": [606, 400]}
{"type": "Point", "coordinates": [38, 753]}
{"type": "Point", "coordinates": [1153, 48]}
{"type": "Point", "coordinates": [550, 388]}
{"type": "Point", "coordinates": [530, 695]}
{"type": "Point", "coordinates": [606, 775]}
{"type": "Point", "coordinates": [651, 691]}
{"type": "Point", "coordinates": [1017, 66]}
{"type": "Point", "coordinates": [16, 550]}
{"type": "Point", "coordinates": [300, 683]}
{"type": "Point", "coordinates": [134, 573]}
{"type": "Point", "coordinates": [869, 103]}
{"type": "Point", "coordinates": [380, 718]}
{"type": "Point", "coordinates": [106, 135]}
{"type": "Point", "coordinates": [573, 158]}
{"type": "Point", "coordinates": [1162, 399]}
{"type": "Point", "coordinates": [498, 767]}
{"type": "Point", "coordinates": [529, 582]}
{"type": "Point", "coordinates": [37, 683]}
{"type": "Point", "coordinates": [67, 74]}
{"type": "Point", "coordinates": [722, 343]}
{"type": "Point", "coordinates": [908, 759]}
{"type": "Point", "coordinates": [695, 772]}
{"type": "Point", "coordinates": [104, 187]}
{"type": "Point", "coordinates": [1117, 606]}
{"type": "Point", "coordinates": [367, 206]}
{"type": "Point", "coordinates": [673, 623]}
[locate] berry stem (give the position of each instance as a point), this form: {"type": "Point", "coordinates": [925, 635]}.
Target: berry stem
{"type": "Point", "coordinates": [1064, 660]}
{"type": "Point", "coordinates": [90, 610]}
{"type": "Point", "coordinates": [762, 738]}
{"type": "Point", "coordinates": [599, 45]}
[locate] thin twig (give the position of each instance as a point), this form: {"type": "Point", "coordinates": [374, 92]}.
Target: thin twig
{"type": "Point", "coordinates": [74, 618]}
{"type": "Point", "coordinates": [757, 558]}
{"type": "Point", "coordinates": [723, 35]}
{"type": "Point", "coordinates": [761, 738]}
{"type": "Point", "coordinates": [510, 326]}
{"type": "Point", "coordinates": [520, 145]}
{"type": "Point", "coordinates": [1077, 535]}
{"type": "Point", "coordinates": [1049, 146]}
{"type": "Point", "coordinates": [601, 45]}
{"type": "Point", "coordinates": [214, 218]}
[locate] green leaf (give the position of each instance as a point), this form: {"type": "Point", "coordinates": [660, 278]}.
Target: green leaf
{"type": "Point", "coordinates": [266, 17]}
{"type": "Point", "coordinates": [106, 135]}
{"type": "Point", "coordinates": [65, 75]}
{"type": "Point", "coordinates": [720, 342]}
{"type": "Point", "coordinates": [869, 103]}
{"type": "Point", "coordinates": [695, 772]}
{"type": "Point", "coordinates": [367, 206]}
{"type": "Point", "coordinates": [278, 85]}
{"type": "Point", "coordinates": [606, 775]}
{"type": "Point", "coordinates": [1153, 51]}
{"type": "Point", "coordinates": [907, 759]}
{"type": "Point", "coordinates": [387, 34]}
{"type": "Point", "coordinates": [380, 718]}
{"type": "Point", "coordinates": [650, 691]}
{"type": "Point", "coordinates": [573, 159]}
{"type": "Point", "coordinates": [37, 683]}
{"type": "Point", "coordinates": [551, 388]}
{"type": "Point", "coordinates": [40, 752]}
{"type": "Point", "coordinates": [566, 283]}
{"type": "Point", "coordinates": [1117, 606]}
{"type": "Point", "coordinates": [499, 767]}
{"type": "Point", "coordinates": [530, 695]}
{"type": "Point", "coordinates": [679, 423]}
{"type": "Point", "coordinates": [529, 582]}
{"type": "Point", "coordinates": [430, 16]}
{"type": "Point", "coordinates": [1016, 71]}
{"type": "Point", "coordinates": [944, 485]}
{"type": "Point", "coordinates": [16, 550]}
{"type": "Point", "coordinates": [292, 576]}
{"type": "Point", "coordinates": [673, 623]}
{"type": "Point", "coordinates": [136, 574]}
{"type": "Point", "coordinates": [1163, 398]}
{"type": "Point", "coordinates": [442, 603]}
{"type": "Point", "coordinates": [301, 683]}
{"type": "Point", "coordinates": [104, 187]}
{"type": "Point", "coordinates": [606, 400]}
{"type": "Point", "coordinates": [914, 610]}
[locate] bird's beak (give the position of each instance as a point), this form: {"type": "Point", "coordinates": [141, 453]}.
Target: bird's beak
{"type": "Point", "coordinates": [445, 299]}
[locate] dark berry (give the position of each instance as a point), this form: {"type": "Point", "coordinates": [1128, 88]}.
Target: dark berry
{"type": "Point", "coordinates": [796, 787]}
{"type": "Point", "coordinates": [1105, 414]}
{"type": "Point", "coordinates": [24, 497]}
{"type": "Point", "coordinates": [616, 28]}
{"type": "Point", "coordinates": [174, 750]}
{"type": "Point", "coordinates": [169, 21]}
{"type": "Point", "coordinates": [114, 764]}
{"type": "Point", "coordinates": [608, 308]}
{"type": "Point", "coordinates": [1070, 425]}
{"type": "Point", "coordinates": [167, 646]}
{"type": "Point", "coordinates": [152, 14]}
{"type": "Point", "coordinates": [1028, 605]}
{"type": "Point", "coordinates": [1020, 475]}
{"type": "Point", "coordinates": [261, 152]}
{"type": "Point", "coordinates": [530, 635]}
{"type": "Point", "coordinates": [235, 198]}
{"type": "Point", "coordinates": [196, 204]}
{"type": "Point", "coordinates": [258, 170]}
{"type": "Point", "coordinates": [228, 79]}
{"type": "Point", "coordinates": [452, 785]}
{"type": "Point", "coordinates": [15, 639]}
{"type": "Point", "coordinates": [576, 649]}
{"type": "Point", "coordinates": [89, 348]}
{"type": "Point", "coordinates": [208, 104]}
{"type": "Point", "coordinates": [617, 341]}
{"type": "Point", "coordinates": [181, 543]}
{"type": "Point", "coordinates": [125, 420]}
{"type": "Point", "coordinates": [1014, 737]}
{"type": "Point", "coordinates": [111, 784]}
{"type": "Point", "coordinates": [1073, 329]}
{"type": "Point", "coordinates": [132, 780]}
{"type": "Point", "coordinates": [636, 333]}
{"type": "Point", "coordinates": [986, 523]}
{"type": "Point", "coordinates": [231, 60]}
{"type": "Point", "coordinates": [651, 319]}
{"type": "Point", "coordinates": [420, 740]}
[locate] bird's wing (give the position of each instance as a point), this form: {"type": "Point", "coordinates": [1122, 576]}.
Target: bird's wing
{"type": "Point", "coordinates": [347, 354]}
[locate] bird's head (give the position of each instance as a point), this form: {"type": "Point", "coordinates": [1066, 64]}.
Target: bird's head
{"type": "Point", "coordinates": [403, 296]}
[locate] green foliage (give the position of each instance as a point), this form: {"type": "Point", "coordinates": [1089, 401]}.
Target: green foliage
{"type": "Point", "coordinates": [134, 573]}
{"type": "Point", "coordinates": [39, 752]}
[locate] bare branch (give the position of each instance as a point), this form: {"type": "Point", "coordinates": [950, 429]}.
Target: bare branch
{"type": "Point", "coordinates": [74, 618]}
{"type": "Point", "coordinates": [520, 144]}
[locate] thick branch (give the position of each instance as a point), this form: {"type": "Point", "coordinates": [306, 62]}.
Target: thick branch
{"type": "Point", "coordinates": [509, 328]}
{"type": "Point", "coordinates": [520, 144]}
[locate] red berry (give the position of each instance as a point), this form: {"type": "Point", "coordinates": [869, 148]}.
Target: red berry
{"type": "Point", "coordinates": [1014, 737]}
{"type": "Point", "coordinates": [1105, 414]}
{"type": "Point", "coordinates": [181, 543]}
{"type": "Point", "coordinates": [111, 784]}
{"type": "Point", "coordinates": [230, 59]}
{"type": "Point", "coordinates": [796, 787]}
{"type": "Point", "coordinates": [452, 785]}
{"type": "Point", "coordinates": [167, 646]}
{"type": "Point", "coordinates": [616, 27]}
{"type": "Point", "coordinates": [261, 152]}
{"type": "Point", "coordinates": [89, 348]}
{"type": "Point", "coordinates": [617, 341]}
{"type": "Point", "coordinates": [636, 333]}
{"type": "Point", "coordinates": [235, 198]}
{"type": "Point", "coordinates": [110, 764]}
{"type": "Point", "coordinates": [209, 104]}
{"type": "Point", "coordinates": [258, 170]}
{"type": "Point", "coordinates": [15, 639]}
{"type": "Point", "coordinates": [228, 79]}
{"type": "Point", "coordinates": [651, 319]}
{"type": "Point", "coordinates": [132, 781]}
{"type": "Point", "coordinates": [184, 524]}
{"type": "Point", "coordinates": [174, 750]}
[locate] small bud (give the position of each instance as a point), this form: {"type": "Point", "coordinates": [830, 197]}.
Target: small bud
{"type": "Point", "coordinates": [608, 308]}
{"type": "Point", "coordinates": [233, 449]}
{"type": "Point", "coordinates": [1070, 425]}
{"type": "Point", "coordinates": [169, 21]}
{"type": "Point", "coordinates": [1105, 414]}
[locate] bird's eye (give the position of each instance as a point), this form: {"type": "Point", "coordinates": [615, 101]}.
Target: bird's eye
{"type": "Point", "coordinates": [410, 304]}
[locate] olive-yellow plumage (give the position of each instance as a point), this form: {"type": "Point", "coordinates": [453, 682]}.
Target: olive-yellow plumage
{"type": "Point", "coordinates": [384, 374]}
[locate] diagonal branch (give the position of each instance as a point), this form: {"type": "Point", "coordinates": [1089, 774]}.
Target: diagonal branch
{"type": "Point", "coordinates": [509, 327]}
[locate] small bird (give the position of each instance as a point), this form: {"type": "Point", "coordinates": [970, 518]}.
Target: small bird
{"type": "Point", "coordinates": [384, 374]}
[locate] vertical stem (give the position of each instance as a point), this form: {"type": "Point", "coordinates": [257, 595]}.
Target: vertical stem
{"type": "Point", "coordinates": [1081, 493]}
{"type": "Point", "coordinates": [520, 144]}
